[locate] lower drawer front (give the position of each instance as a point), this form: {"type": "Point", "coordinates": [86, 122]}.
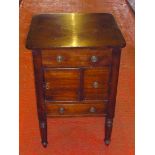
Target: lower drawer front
{"type": "Point", "coordinates": [79, 109]}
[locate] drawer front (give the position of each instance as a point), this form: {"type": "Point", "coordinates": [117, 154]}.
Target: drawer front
{"type": "Point", "coordinates": [75, 109]}
{"type": "Point", "coordinates": [96, 82]}
{"type": "Point", "coordinates": [76, 57]}
{"type": "Point", "coordinates": [62, 84]}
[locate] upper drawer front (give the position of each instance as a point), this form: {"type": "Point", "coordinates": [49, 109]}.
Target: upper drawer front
{"type": "Point", "coordinates": [76, 57]}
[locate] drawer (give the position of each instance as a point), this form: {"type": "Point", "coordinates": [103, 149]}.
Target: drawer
{"type": "Point", "coordinates": [75, 109]}
{"type": "Point", "coordinates": [96, 83]}
{"type": "Point", "coordinates": [76, 57]}
{"type": "Point", "coordinates": [62, 83]}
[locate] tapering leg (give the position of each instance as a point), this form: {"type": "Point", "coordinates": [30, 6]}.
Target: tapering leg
{"type": "Point", "coordinates": [108, 130]}
{"type": "Point", "coordinates": [38, 71]}
{"type": "Point", "coordinates": [116, 53]}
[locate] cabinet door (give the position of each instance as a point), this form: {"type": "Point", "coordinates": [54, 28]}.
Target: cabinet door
{"type": "Point", "coordinates": [62, 84]}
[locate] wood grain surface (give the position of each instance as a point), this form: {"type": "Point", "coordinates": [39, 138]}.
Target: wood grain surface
{"type": "Point", "coordinates": [76, 57]}
{"type": "Point", "coordinates": [77, 130]}
{"type": "Point", "coordinates": [62, 84]}
{"type": "Point", "coordinates": [57, 30]}
{"type": "Point", "coordinates": [75, 109]}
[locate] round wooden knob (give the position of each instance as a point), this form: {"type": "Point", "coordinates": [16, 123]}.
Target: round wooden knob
{"type": "Point", "coordinates": [59, 58]}
{"type": "Point", "coordinates": [92, 109]}
{"type": "Point", "coordinates": [61, 110]}
{"type": "Point", "coordinates": [94, 58]}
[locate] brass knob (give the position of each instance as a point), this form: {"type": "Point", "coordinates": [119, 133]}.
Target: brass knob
{"type": "Point", "coordinates": [59, 58]}
{"type": "Point", "coordinates": [95, 84]}
{"type": "Point", "coordinates": [61, 110]}
{"type": "Point", "coordinates": [92, 109]}
{"type": "Point", "coordinates": [94, 58]}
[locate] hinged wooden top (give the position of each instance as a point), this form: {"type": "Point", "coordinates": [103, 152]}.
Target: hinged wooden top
{"type": "Point", "coordinates": [62, 30]}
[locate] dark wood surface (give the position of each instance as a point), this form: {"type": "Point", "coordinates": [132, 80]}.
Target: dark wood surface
{"type": "Point", "coordinates": [74, 30]}
{"type": "Point", "coordinates": [75, 81]}
{"type": "Point", "coordinates": [38, 74]}
{"type": "Point", "coordinates": [64, 83]}
{"type": "Point", "coordinates": [116, 55]}
{"type": "Point", "coordinates": [95, 94]}
{"type": "Point", "coordinates": [75, 109]}
{"type": "Point", "coordinates": [76, 57]}
{"type": "Point", "coordinates": [62, 78]}
{"type": "Point", "coordinates": [99, 75]}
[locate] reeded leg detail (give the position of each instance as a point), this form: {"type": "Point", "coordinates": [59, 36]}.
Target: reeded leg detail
{"type": "Point", "coordinates": [43, 131]}
{"type": "Point", "coordinates": [108, 130]}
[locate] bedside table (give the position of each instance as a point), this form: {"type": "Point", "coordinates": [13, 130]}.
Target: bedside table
{"type": "Point", "coordinates": [76, 61]}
